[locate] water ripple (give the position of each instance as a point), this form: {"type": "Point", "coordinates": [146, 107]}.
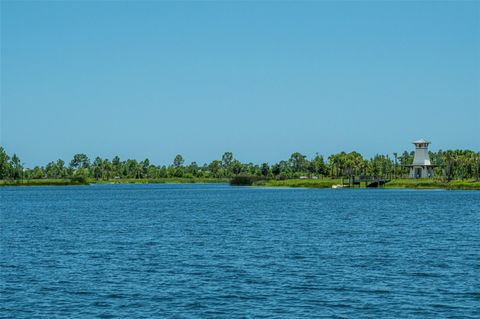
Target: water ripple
{"type": "Point", "coordinates": [210, 251]}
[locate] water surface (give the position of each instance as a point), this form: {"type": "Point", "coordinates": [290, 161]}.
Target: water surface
{"type": "Point", "coordinates": [210, 251]}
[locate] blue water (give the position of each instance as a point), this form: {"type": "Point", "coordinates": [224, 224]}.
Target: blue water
{"type": "Point", "coordinates": [213, 251]}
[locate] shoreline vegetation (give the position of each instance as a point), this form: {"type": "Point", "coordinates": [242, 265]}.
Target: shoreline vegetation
{"type": "Point", "coordinates": [453, 169]}
{"type": "Point", "coordinates": [469, 184]}
{"type": "Point", "coordinates": [89, 181]}
{"type": "Point", "coordinates": [395, 183]}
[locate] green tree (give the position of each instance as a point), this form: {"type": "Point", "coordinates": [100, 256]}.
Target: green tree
{"type": "Point", "coordinates": [227, 159]}
{"type": "Point", "coordinates": [276, 170]}
{"type": "Point", "coordinates": [97, 168]}
{"type": "Point", "coordinates": [236, 167]}
{"type": "Point", "coordinates": [163, 172]}
{"type": "Point", "coordinates": [265, 169]}
{"type": "Point", "coordinates": [62, 170]}
{"type": "Point", "coordinates": [193, 169]}
{"type": "Point", "coordinates": [117, 167]}
{"type": "Point", "coordinates": [215, 168]}
{"type": "Point", "coordinates": [80, 161]}
{"type": "Point", "coordinates": [51, 170]}
{"type": "Point", "coordinates": [317, 165]}
{"type": "Point", "coordinates": [144, 165]}
{"type": "Point", "coordinates": [17, 168]}
{"type": "Point", "coordinates": [5, 165]}
{"type": "Point", "coordinates": [395, 169]}
{"type": "Point", "coordinates": [178, 161]}
{"type": "Point", "coordinates": [298, 162]}
{"type": "Point", "coordinates": [38, 173]}
{"type": "Point", "coordinates": [133, 170]}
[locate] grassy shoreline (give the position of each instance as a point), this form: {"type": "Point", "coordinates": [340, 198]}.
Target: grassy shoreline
{"type": "Point", "coordinates": [43, 182]}
{"type": "Point", "coordinates": [178, 180]}
{"type": "Point", "coordinates": [395, 183]}
{"type": "Point", "coordinates": [433, 184]}
{"type": "Point", "coordinates": [304, 183]}
{"type": "Point", "coordinates": [73, 182]}
{"type": "Point", "coordinates": [295, 183]}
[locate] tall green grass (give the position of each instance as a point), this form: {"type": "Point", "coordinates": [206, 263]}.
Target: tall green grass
{"type": "Point", "coordinates": [176, 180]}
{"type": "Point", "coordinates": [244, 180]}
{"type": "Point", "coordinates": [84, 181]}
{"type": "Point", "coordinates": [433, 183]}
{"type": "Point", "coordinates": [396, 183]}
{"type": "Point", "coordinates": [43, 182]}
{"type": "Point", "coordinates": [309, 183]}
{"type": "Point", "coordinates": [253, 181]}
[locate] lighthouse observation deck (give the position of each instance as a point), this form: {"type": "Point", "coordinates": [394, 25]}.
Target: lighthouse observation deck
{"type": "Point", "coordinates": [421, 167]}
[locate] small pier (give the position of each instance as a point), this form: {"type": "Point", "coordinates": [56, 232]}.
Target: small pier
{"type": "Point", "coordinates": [368, 181]}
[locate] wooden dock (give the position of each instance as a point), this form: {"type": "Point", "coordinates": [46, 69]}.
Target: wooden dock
{"type": "Point", "coordinates": [370, 182]}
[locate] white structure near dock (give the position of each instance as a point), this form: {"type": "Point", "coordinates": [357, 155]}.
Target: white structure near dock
{"type": "Point", "coordinates": [421, 166]}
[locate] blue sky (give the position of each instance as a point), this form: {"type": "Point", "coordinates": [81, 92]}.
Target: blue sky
{"type": "Point", "coordinates": [260, 79]}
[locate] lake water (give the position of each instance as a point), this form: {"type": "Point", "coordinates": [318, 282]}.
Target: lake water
{"type": "Point", "coordinates": [210, 251]}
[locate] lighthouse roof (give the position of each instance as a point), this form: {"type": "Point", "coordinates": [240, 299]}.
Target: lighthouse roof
{"type": "Point", "coordinates": [421, 141]}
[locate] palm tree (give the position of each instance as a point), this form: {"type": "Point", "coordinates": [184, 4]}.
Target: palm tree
{"type": "Point", "coordinates": [17, 167]}
{"type": "Point", "coordinates": [395, 156]}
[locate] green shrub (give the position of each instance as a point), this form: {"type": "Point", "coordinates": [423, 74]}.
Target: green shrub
{"type": "Point", "coordinates": [244, 180]}
{"type": "Point", "coordinates": [81, 180]}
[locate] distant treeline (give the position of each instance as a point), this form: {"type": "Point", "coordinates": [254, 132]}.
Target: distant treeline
{"type": "Point", "coordinates": [457, 164]}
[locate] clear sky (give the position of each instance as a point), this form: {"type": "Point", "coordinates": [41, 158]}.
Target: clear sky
{"type": "Point", "coordinates": [260, 79]}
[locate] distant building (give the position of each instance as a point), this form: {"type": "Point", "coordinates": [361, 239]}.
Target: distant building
{"type": "Point", "coordinates": [421, 166]}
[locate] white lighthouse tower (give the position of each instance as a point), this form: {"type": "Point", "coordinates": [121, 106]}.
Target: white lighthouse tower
{"type": "Point", "coordinates": [421, 166]}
